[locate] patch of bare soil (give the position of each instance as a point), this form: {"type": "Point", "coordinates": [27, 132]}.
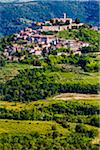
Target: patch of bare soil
{"type": "Point", "coordinates": [76, 96]}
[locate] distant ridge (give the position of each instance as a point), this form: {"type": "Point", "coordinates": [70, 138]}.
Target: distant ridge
{"type": "Point", "coordinates": [12, 10]}
{"type": "Point", "coordinates": [20, 1]}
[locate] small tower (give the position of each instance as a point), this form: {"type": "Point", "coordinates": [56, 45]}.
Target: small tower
{"type": "Point", "coordinates": [64, 15]}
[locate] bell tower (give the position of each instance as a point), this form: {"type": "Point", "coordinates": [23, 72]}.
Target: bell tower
{"type": "Point", "coordinates": [64, 15]}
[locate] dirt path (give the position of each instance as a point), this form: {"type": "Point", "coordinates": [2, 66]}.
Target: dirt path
{"type": "Point", "coordinates": [77, 96]}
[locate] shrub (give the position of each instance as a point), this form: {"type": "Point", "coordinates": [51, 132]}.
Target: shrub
{"type": "Point", "coordinates": [80, 128]}
{"type": "Point", "coordinates": [95, 120]}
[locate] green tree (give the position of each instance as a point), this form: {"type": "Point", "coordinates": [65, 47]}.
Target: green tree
{"type": "Point", "coordinates": [77, 20]}
{"type": "Point", "coordinates": [7, 146]}
{"type": "Point", "coordinates": [17, 146]}
{"type": "Point", "coordinates": [2, 61]}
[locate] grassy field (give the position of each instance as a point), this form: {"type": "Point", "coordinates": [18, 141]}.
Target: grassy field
{"type": "Point", "coordinates": [42, 127]}
{"type": "Point", "coordinates": [19, 127]}
{"type": "Point", "coordinates": [64, 77]}
{"type": "Point", "coordinates": [11, 69]}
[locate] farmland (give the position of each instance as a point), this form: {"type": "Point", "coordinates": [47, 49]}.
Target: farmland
{"type": "Point", "coordinates": [49, 125]}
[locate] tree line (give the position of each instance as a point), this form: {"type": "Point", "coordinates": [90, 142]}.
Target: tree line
{"type": "Point", "coordinates": [61, 112]}
{"type": "Point", "coordinates": [34, 84]}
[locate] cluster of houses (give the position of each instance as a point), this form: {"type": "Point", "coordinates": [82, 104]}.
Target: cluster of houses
{"type": "Point", "coordinates": [59, 24]}
{"type": "Point", "coordinates": [35, 42]}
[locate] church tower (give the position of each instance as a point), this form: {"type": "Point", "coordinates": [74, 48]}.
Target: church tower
{"type": "Point", "coordinates": [64, 15]}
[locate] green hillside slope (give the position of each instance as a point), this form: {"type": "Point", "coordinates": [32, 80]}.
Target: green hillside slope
{"type": "Point", "coordinates": [50, 124]}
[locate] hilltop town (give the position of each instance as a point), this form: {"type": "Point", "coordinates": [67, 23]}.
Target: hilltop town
{"type": "Point", "coordinates": [37, 41]}
{"type": "Point", "coordinates": [49, 87]}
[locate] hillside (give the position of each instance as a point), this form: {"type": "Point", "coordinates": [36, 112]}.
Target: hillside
{"type": "Point", "coordinates": [50, 73]}
{"type": "Point", "coordinates": [49, 95]}
{"type": "Point", "coordinates": [50, 124]}
{"type": "Point", "coordinates": [16, 16]}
